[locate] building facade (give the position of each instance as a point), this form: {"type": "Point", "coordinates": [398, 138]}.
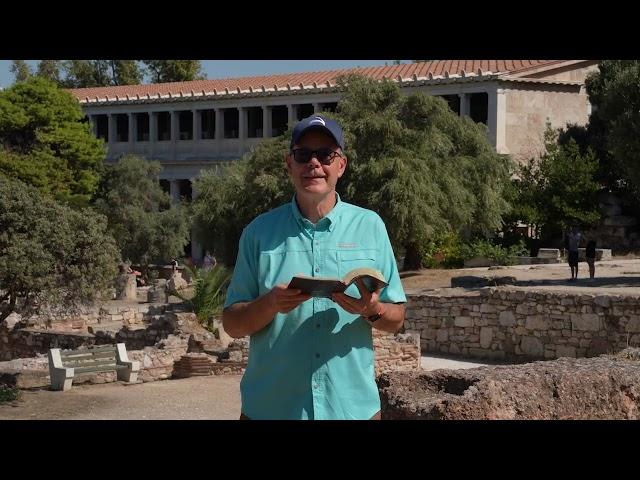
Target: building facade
{"type": "Point", "coordinates": [190, 126]}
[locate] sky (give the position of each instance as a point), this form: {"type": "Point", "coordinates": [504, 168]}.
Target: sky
{"type": "Point", "coordinates": [240, 68]}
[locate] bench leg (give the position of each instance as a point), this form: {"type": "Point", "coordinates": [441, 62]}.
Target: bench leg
{"type": "Point", "coordinates": [127, 375]}
{"type": "Point", "coordinates": [61, 377]}
{"type": "Point", "coordinates": [60, 380]}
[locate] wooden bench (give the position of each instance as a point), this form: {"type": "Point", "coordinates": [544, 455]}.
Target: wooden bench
{"type": "Point", "coordinates": [64, 365]}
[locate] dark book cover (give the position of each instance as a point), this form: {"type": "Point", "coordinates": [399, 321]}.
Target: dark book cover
{"type": "Point", "coordinates": [325, 287]}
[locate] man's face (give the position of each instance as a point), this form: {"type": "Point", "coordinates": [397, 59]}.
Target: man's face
{"type": "Point", "coordinates": [313, 178]}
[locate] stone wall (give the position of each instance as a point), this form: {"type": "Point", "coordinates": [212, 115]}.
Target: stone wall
{"type": "Point", "coordinates": [28, 342]}
{"type": "Point", "coordinates": [156, 363]}
{"type": "Point", "coordinates": [87, 318]}
{"type": "Point", "coordinates": [514, 324]}
{"type": "Point", "coordinates": [399, 352]}
{"type": "Point", "coordinates": [566, 74]}
{"type": "Point", "coordinates": [18, 342]}
{"type": "Point", "coordinates": [529, 108]}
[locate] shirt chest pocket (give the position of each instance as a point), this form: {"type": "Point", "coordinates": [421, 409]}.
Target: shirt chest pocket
{"type": "Point", "coordinates": [351, 259]}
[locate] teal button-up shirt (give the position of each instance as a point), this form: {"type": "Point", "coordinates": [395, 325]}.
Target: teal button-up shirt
{"type": "Point", "coordinates": [316, 362]}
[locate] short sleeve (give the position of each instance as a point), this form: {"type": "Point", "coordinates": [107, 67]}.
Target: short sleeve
{"type": "Point", "coordinates": [393, 293]}
{"type": "Point", "coordinates": [244, 281]}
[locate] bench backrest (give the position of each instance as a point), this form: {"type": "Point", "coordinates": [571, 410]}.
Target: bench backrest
{"type": "Point", "coordinates": [91, 359]}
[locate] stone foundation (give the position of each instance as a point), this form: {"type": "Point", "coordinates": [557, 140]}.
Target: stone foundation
{"type": "Point", "coordinates": [519, 325]}
{"type": "Point", "coordinates": [605, 388]}
{"type": "Point", "coordinates": [400, 352]}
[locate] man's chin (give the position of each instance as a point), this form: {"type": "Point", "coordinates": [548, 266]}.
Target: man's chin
{"type": "Point", "coordinates": [314, 190]}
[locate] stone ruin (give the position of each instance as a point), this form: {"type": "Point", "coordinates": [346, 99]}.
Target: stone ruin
{"type": "Point", "coordinates": [166, 338]}
{"type": "Point", "coordinates": [605, 387]}
{"type": "Point", "coordinates": [157, 336]}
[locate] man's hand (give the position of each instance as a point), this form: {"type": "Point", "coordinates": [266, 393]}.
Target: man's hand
{"type": "Point", "coordinates": [283, 299]}
{"type": "Point", "coordinates": [367, 305]}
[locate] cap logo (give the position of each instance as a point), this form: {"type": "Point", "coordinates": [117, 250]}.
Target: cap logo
{"type": "Point", "coordinates": [318, 120]}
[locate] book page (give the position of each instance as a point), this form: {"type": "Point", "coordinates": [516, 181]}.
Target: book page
{"type": "Point", "coordinates": [373, 279]}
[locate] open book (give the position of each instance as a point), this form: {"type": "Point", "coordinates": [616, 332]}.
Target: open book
{"type": "Point", "coordinates": [324, 287]}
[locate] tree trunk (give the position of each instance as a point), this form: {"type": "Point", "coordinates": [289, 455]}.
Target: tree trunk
{"type": "Point", "coordinates": [412, 258]}
{"type": "Point", "coordinates": [10, 309]}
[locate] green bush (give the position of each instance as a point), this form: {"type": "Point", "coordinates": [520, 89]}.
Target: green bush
{"type": "Point", "coordinates": [8, 394]}
{"type": "Point", "coordinates": [144, 223]}
{"type": "Point", "coordinates": [50, 253]}
{"type": "Point", "coordinates": [443, 251]}
{"type": "Point", "coordinates": [497, 253]}
{"type": "Point", "coordinates": [209, 290]}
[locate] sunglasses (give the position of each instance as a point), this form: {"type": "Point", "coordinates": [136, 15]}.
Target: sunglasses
{"type": "Point", "coordinates": [324, 155]}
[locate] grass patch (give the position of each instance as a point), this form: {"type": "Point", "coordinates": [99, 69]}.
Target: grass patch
{"type": "Point", "coordinates": [8, 394]}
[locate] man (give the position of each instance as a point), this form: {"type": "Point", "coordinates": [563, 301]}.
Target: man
{"type": "Point", "coordinates": [312, 358]}
{"type": "Point", "coordinates": [574, 242]}
{"type": "Point", "coordinates": [590, 255]}
{"type": "Point", "coordinates": [209, 262]}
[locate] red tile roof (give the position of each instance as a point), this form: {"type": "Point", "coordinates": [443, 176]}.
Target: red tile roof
{"type": "Point", "coordinates": [311, 80]}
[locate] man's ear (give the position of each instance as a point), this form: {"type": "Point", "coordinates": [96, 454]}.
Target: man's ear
{"type": "Point", "coordinates": [343, 165]}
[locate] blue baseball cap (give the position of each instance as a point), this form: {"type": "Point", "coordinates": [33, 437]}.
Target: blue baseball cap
{"type": "Point", "coordinates": [318, 122]}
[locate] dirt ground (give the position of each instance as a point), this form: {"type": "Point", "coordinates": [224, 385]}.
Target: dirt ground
{"type": "Point", "coordinates": [617, 276]}
{"type": "Point", "coordinates": [197, 398]}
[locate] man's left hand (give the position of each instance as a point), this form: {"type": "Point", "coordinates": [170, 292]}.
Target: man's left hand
{"type": "Point", "coordinates": [367, 305]}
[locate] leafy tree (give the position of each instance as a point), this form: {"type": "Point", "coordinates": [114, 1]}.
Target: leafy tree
{"type": "Point", "coordinates": [162, 71]}
{"type": "Point", "coordinates": [50, 253]}
{"type": "Point", "coordinates": [21, 70]}
{"type": "Point", "coordinates": [101, 73]}
{"type": "Point", "coordinates": [558, 189]}
{"type": "Point", "coordinates": [421, 167]}
{"type": "Point", "coordinates": [615, 92]}
{"type": "Point", "coordinates": [229, 199]}
{"type": "Point", "coordinates": [45, 142]}
{"type": "Point", "coordinates": [49, 70]}
{"type": "Point", "coordinates": [141, 218]}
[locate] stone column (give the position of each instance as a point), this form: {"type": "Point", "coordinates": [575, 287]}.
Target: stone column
{"type": "Point", "coordinates": [219, 126]}
{"type": "Point", "coordinates": [464, 104]}
{"type": "Point", "coordinates": [197, 126]}
{"type": "Point", "coordinates": [132, 131]}
{"type": "Point", "coordinates": [292, 109]}
{"type": "Point", "coordinates": [111, 128]}
{"type": "Point", "coordinates": [174, 133]}
{"type": "Point", "coordinates": [174, 126]}
{"type": "Point", "coordinates": [242, 129]}
{"type": "Point", "coordinates": [153, 132]}
{"type": "Point", "coordinates": [219, 129]}
{"type": "Point", "coordinates": [266, 121]}
{"type": "Point", "coordinates": [496, 120]}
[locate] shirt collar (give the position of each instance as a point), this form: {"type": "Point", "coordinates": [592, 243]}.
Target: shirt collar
{"type": "Point", "coordinates": [331, 217]}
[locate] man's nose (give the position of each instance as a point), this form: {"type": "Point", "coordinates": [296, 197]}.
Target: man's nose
{"type": "Point", "coordinates": [314, 162]}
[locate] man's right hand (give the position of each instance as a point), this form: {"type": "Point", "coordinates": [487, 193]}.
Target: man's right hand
{"type": "Point", "coordinates": [283, 299]}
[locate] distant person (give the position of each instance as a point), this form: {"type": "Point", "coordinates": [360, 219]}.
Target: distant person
{"type": "Point", "coordinates": [590, 255]}
{"type": "Point", "coordinates": [574, 238]}
{"type": "Point", "coordinates": [209, 262]}
{"type": "Point", "coordinates": [174, 265]}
